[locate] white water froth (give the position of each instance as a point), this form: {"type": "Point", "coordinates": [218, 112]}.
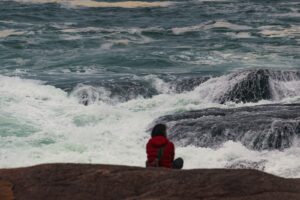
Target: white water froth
{"type": "Point", "coordinates": [240, 35]}
{"type": "Point", "coordinates": [278, 31]}
{"type": "Point", "coordinates": [9, 32]}
{"type": "Point", "coordinates": [207, 26]}
{"type": "Point", "coordinates": [160, 85]}
{"type": "Point", "coordinates": [44, 124]}
{"type": "Point", "coordinates": [294, 14]}
{"type": "Point", "coordinates": [282, 86]}
{"type": "Point", "coordinates": [117, 36]}
{"type": "Point", "coordinates": [133, 30]}
{"type": "Point", "coordinates": [285, 89]}
{"type": "Point", "coordinates": [87, 93]}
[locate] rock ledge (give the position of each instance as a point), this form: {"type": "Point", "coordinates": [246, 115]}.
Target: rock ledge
{"type": "Point", "coordinates": [85, 181]}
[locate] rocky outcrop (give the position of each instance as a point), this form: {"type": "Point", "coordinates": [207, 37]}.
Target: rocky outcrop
{"type": "Point", "coordinates": [125, 89]}
{"type": "Point", "coordinates": [241, 86]}
{"type": "Point", "coordinates": [110, 91]}
{"type": "Point", "coordinates": [82, 181]}
{"type": "Point", "coordinates": [187, 84]}
{"type": "Point", "coordinates": [274, 126]}
{"type": "Point", "coordinates": [256, 85]}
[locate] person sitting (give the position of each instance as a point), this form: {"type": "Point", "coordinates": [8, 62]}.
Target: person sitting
{"type": "Point", "coordinates": [160, 151]}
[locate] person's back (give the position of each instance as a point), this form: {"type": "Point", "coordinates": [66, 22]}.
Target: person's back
{"type": "Point", "coordinates": [160, 151]}
{"type": "Point", "coordinates": [160, 145]}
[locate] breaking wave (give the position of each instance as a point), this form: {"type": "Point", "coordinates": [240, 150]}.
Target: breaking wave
{"type": "Point", "coordinates": [242, 86]}
{"type": "Point", "coordinates": [210, 25]}
{"type": "Point", "coordinates": [41, 123]}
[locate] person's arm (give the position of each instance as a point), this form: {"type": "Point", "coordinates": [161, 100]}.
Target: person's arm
{"type": "Point", "coordinates": [147, 150]}
{"type": "Point", "coordinates": [172, 151]}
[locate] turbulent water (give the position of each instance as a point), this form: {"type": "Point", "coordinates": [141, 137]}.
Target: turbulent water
{"type": "Point", "coordinates": [83, 80]}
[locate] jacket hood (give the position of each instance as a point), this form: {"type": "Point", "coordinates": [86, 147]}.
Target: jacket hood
{"type": "Point", "coordinates": [158, 141]}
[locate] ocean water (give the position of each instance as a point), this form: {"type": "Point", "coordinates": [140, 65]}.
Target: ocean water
{"type": "Point", "coordinates": [82, 80]}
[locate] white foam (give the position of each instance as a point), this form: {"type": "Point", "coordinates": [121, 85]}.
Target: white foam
{"type": "Point", "coordinates": [226, 24]}
{"type": "Point", "coordinates": [290, 14]}
{"type": "Point", "coordinates": [240, 35]}
{"type": "Point", "coordinates": [278, 31]}
{"type": "Point", "coordinates": [285, 86]}
{"type": "Point", "coordinates": [132, 30]}
{"type": "Point", "coordinates": [59, 129]}
{"type": "Point", "coordinates": [182, 30]}
{"type": "Point", "coordinates": [124, 42]}
{"type": "Point", "coordinates": [89, 94]}
{"type": "Point", "coordinates": [134, 35]}
{"type": "Point", "coordinates": [15, 22]}
{"type": "Point", "coordinates": [9, 32]}
{"type": "Point", "coordinates": [283, 163]}
{"type": "Point", "coordinates": [160, 85]}
{"type": "Point", "coordinates": [80, 30]}
{"type": "Point", "coordinates": [71, 37]}
{"type": "Point", "coordinates": [213, 57]}
{"type": "Point", "coordinates": [213, 89]}
{"type": "Point", "coordinates": [206, 26]}
{"type": "Point", "coordinates": [285, 89]}
{"type": "Point", "coordinates": [7, 21]}
{"type": "Point", "coordinates": [97, 4]}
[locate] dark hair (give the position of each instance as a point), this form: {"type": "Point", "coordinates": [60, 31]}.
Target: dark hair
{"type": "Point", "coordinates": [159, 130]}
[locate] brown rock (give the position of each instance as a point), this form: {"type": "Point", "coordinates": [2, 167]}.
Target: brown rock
{"type": "Point", "coordinates": [6, 192]}
{"type": "Point", "coordinates": [88, 182]}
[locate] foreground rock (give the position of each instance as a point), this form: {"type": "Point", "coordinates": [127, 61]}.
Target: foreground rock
{"type": "Point", "coordinates": [80, 181]}
{"type": "Point", "coordinates": [6, 190]}
{"type": "Point", "coordinates": [274, 126]}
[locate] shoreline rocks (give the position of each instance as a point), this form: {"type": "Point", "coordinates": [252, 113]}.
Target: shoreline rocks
{"type": "Point", "coordinates": [264, 127]}
{"type": "Point", "coordinates": [86, 181]}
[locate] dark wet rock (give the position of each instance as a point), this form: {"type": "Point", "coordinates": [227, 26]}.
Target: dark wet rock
{"type": "Point", "coordinates": [274, 126]}
{"type": "Point", "coordinates": [257, 85]}
{"type": "Point", "coordinates": [127, 90]}
{"type": "Point", "coordinates": [112, 92]}
{"type": "Point", "coordinates": [187, 84]}
{"type": "Point", "coordinates": [82, 181]}
{"type": "Point", "coordinates": [122, 90]}
{"type": "Point", "coordinates": [253, 88]}
{"type": "Point", "coordinates": [242, 86]}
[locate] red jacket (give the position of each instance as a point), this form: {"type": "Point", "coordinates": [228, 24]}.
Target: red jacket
{"type": "Point", "coordinates": [153, 146]}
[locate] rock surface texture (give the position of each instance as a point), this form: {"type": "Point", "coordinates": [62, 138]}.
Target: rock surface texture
{"type": "Point", "coordinates": [256, 85]}
{"type": "Point", "coordinates": [265, 127]}
{"type": "Point", "coordinates": [83, 181]}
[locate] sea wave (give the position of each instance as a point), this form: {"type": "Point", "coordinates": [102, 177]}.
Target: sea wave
{"type": "Point", "coordinates": [59, 129]}
{"type": "Point", "coordinates": [97, 4]}
{"type": "Point", "coordinates": [279, 31]}
{"type": "Point", "coordinates": [9, 32]}
{"type": "Point", "coordinates": [210, 25]}
{"type": "Point", "coordinates": [240, 35]}
{"type": "Point", "coordinates": [132, 30]}
{"type": "Point", "coordinates": [115, 36]}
